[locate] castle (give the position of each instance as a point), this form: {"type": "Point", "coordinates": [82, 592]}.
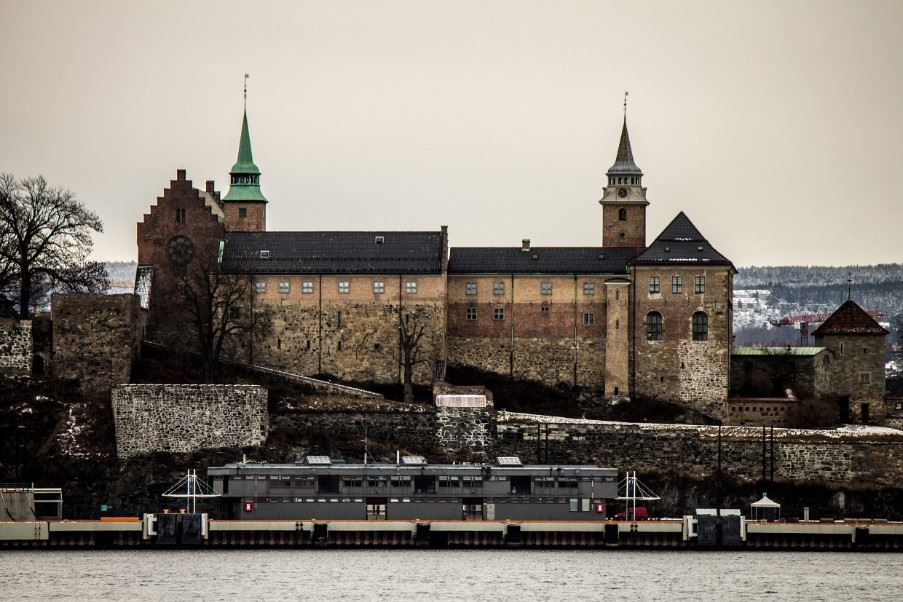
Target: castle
{"type": "Point", "coordinates": [621, 318]}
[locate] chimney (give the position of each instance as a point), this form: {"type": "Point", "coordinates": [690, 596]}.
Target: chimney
{"type": "Point", "coordinates": [525, 245]}
{"type": "Point", "coordinates": [180, 175]}
{"type": "Point", "coordinates": [210, 186]}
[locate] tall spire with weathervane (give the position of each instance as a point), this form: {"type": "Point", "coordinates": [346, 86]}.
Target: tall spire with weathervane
{"type": "Point", "coordinates": [245, 205]}
{"type": "Point", "coordinates": [624, 199]}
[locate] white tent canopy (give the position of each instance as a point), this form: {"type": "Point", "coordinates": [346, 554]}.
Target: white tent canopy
{"type": "Point", "coordinates": [765, 502]}
{"type": "Point", "coordinates": [766, 508]}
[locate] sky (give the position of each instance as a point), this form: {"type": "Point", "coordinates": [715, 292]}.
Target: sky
{"type": "Point", "coordinates": [776, 126]}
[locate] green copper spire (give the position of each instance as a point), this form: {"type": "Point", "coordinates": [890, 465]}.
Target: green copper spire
{"type": "Point", "coordinates": [244, 176]}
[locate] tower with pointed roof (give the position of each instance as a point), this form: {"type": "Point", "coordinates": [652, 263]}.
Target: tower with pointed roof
{"type": "Point", "coordinates": [624, 200]}
{"type": "Point", "coordinates": [245, 206]}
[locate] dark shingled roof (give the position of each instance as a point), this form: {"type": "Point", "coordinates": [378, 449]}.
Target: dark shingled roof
{"type": "Point", "coordinates": [680, 243]}
{"type": "Point", "coordinates": [539, 260]}
{"type": "Point", "coordinates": [333, 252]}
{"type": "Point", "coordinates": [850, 319]}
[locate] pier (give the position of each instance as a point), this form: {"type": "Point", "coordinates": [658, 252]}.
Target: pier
{"type": "Point", "coordinates": [157, 531]}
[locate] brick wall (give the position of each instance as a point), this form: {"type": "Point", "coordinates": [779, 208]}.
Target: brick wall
{"type": "Point", "coordinates": [186, 418]}
{"type": "Point", "coordinates": [15, 347]}
{"type": "Point", "coordinates": [95, 338]}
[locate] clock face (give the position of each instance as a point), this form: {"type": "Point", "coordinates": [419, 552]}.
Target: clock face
{"type": "Point", "coordinates": [622, 192]}
{"type": "Point", "coordinates": [181, 250]}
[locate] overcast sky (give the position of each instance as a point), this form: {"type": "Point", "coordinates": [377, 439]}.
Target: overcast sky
{"type": "Point", "coordinates": [775, 125]}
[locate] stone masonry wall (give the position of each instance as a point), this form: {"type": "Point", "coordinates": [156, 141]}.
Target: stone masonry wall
{"type": "Point", "coordinates": [15, 346]}
{"type": "Point", "coordinates": [95, 338]}
{"type": "Point", "coordinates": [467, 430]}
{"type": "Point", "coordinates": [186, 418]}
{"type": "Point", "coordinates": [829, 456]}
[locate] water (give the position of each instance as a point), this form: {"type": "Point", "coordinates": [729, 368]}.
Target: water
{"type": "Point", "coordinates": [435, 575]}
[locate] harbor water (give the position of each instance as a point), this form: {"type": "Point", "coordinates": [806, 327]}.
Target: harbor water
{"type": "Point", "coordinates": [434, 575]}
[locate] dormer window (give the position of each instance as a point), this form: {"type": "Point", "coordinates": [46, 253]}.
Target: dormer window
{"type": "Point", "coordinates": [380, 240]}
{"type": "Point", "coordinates": [264, 254]}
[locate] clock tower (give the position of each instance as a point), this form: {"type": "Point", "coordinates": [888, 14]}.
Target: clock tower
{"type": "Point", "coordinates": [624, 200]}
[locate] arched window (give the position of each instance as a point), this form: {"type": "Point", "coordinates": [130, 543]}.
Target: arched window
{"type": "Point", "coordinates": [700, 326]}
{"type": "Point", "coordinates": [622, 214]}
{"type": "Point", "coordinates": [654, 326]}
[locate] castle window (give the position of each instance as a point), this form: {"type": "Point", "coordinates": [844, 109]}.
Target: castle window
{"type": "Point", "coordinates": [180, 216]}
{"type": "Point", "coordinates": [410, 287]}
{"type": "Point", "coordinates": [677, 285]}
{"type": "Point", "coordinates": [261, 286]}
{"type": "Point", "coordinates": [379, 287]}
{"type": "Point", "coordinates": [622, 215]}
{"type": "Point", "coordinates": [339, 346]}
{"type": "Point", "coordinates": [655, 285]}
{"type": "Point", "coordinates": [617, 324]}
{"type": "Point", "coordinates": [654, 330]}
{"type": "Point", "coordinates": [589, 288]}
{"type": "Point", "coordinates": [498, 288]}
{"type": "Point", "coordinates": [242, 212]}
{"type": "Point", "coordinates": [865, 378]}
{"type": "Point", "coordinates": [498, 313]}
{"type": "Point", "coordinates": [344, 287]}
{"type": "Point", "coordinates": [545, 288]}
{"type": "Point", "coordinates": [865, 350]}
{"type": "Point", "coordinates": [699, 285]}
{"type": "Point", "coordinates": [307, 287]}
{"type": "Point", "coordinates": [588, 318]}
{"type": "Point", "coordinates": [841, 348]}
{"type": "Point", "coordinates": [700, 326]}
{"type": "Point", "coordinates": [284, 287]}
{"type": "Point", "coordinates": [470, 313]}
{"type": "Point", "coordinates": [471, 288]}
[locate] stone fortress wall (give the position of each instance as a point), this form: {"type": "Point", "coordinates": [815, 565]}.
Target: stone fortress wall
{"type": "Point", "coordinates": [95, 338]}
{"type": "Point", "coordinates": [15, 346]}
{"type": "Point", "coordinates": [186, 418]}
{"type": "Point", "coordinates": [841, 457]}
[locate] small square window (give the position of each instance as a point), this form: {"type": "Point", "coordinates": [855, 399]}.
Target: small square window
{"type": "Point", "coordinates": [264, 254]}
{"type": "Point", "coordinates": [677, 285]}
{"type": "Point", "coordinates": [699, 285]}
{"type": "Point", "coordinates": [498, 288]}
{"type": "Point", "coordinates": [261, 286]}
{"type": "Point", "coordinates": [380, 240]}
{"type": "Point", "coordinates": [470, 313]}
{"type": "Point", "coordinates": [498, 313]}
{"type": "Point", "coordinates": [865, 378]}
{"type": "Point", "coordinates": [307, 287]}
{"type": "Point", "coordinates": [544, 308]}
{"type": "Point", "coordinates": [284, 287]}
{"type": "Point", "coordinates": [410, 287]}
{"type": "Point", "coordinates": [471, 288]}
{"type": "Point", "coordinates": [589, 288]}
{"type": "Point", "coordinates": [242, 212]}
{"type": "Point", "coordinates": [589, 319]}
{"type": "Point", "coordinates": [655, 285]}
{"type": "Point", "coordinates": [344, 287]}
{"type": "Point", "coordinates": [545, 288]}
{"type": "Point", "coordinates": [379, 287]}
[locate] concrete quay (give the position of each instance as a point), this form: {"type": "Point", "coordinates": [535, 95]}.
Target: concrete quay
{"type": "Point", "coordinates": [198, 531]}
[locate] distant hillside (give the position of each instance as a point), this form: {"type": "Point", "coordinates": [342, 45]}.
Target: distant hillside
{"type": "Point", "coordinates": [817, 288]}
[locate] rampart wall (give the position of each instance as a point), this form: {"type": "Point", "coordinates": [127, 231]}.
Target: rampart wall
{"type": "Point", "coordinates": [186, 418]}
{"type": "Point", "coordinates": [15, 347]}
{"type": "Point", "coordinates": [867, 457]}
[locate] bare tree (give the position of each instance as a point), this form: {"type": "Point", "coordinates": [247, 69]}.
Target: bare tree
{"type": "Point", "coordinates": [45, 241]}
{"type": "Point", "coordinates": [220, 308]}
{"type": "Point", "coordinates": [411, 330]}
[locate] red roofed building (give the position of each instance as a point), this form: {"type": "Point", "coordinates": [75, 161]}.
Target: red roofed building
{"type": "Point", "coordinates": [856, 343]}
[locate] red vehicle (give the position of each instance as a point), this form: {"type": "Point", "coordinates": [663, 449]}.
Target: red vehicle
{"type": "Point", "coordinates": [641, 514]}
